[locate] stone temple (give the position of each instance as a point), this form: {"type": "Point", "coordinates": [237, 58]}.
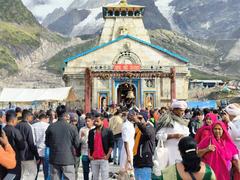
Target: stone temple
{"type": "Point", "coordinates": [124, 63]}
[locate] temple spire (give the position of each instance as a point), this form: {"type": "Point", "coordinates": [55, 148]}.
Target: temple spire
{"type": "Point", "coordinates": [124, 2]}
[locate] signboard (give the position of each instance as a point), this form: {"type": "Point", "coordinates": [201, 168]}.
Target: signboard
{"type": "Point", "coordinates": [127, 67]}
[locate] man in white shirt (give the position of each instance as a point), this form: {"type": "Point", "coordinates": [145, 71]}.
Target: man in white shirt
{"type": "Point", "coordinates": [83, 135]}
{"type": "Point", "coordinates": [39, 129]}
{"type": "Point", "coordinates": [232, 118]}
{"type": "Point", "coordinates": [171, 128]}
{"type": "Point", "coordinates": [128, 133]}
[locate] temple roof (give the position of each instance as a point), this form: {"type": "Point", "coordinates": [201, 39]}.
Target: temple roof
{"type": "Point", "coordinates": [159, 48]}
{"type": "Point", "coordinates": [122, 4]}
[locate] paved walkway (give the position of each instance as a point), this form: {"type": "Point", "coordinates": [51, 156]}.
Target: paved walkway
{"type": "Point", "coordinates": [113, 169]}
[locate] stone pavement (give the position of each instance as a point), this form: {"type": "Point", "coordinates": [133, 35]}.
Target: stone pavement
{"type": "Point", "coordinates": [113, 169]}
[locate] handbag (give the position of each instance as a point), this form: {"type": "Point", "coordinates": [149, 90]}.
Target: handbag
{"type": "Point", "coordinates": [128, 174]}
{"type": "Point", "coordinates": [160, 158]}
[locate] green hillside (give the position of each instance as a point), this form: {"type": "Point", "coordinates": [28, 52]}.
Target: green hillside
{"type": "Point", "coordinates": [197, 74]}
{"type": "Point", "coordinates": [56, 63]}
{"type": "Point", "coordinates": [7, 60]}
{"type": "Point", "coordinates": [20, 33]}
{"type": "Point", "coordinates": [14, 11]}
{"type": "Point", "coordinates": [14, 35]}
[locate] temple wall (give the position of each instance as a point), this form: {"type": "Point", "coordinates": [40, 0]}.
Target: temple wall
{"type": "Point", "coordinates": [133, 25]}
{"type": "Point", "coordinates": [109, 54]}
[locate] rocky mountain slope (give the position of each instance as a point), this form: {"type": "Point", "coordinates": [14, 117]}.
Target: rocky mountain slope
{"type": "Point", "coordinates": [54, 16]}
{"type": "Point", "coordinates": [215, 19]}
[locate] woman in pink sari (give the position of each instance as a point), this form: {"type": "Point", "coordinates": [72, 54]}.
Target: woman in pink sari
{"type": "Point", "coordinates": [219, 151]}
{"type": "Point", "coordinates": [205, 130]}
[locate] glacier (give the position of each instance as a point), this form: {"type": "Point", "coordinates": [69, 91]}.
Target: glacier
{"type": "Point", "coordinates": [167, 11]}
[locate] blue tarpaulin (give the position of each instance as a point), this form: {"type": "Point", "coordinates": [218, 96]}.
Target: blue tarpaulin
{"type": "Point", "coordinates": [202, 104]}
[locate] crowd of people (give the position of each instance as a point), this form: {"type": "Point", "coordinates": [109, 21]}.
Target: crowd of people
{"type": "Point", "coordinates": [200, 144]}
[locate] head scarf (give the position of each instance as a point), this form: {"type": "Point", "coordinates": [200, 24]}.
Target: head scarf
{"type": "Point", "coordinates": [205, 129]}
{"type": "Point", "coordinates": [233, 109]}
{"type": "Point", "coordinates": [212, 116]}
{"type": "Point", "coordinates": [179, 104]}
{"type": "Point", "coordinates": [225, 150]}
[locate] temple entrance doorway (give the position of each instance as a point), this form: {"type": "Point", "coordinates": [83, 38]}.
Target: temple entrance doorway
{"type": "Point", "coordinates": [122, 93]}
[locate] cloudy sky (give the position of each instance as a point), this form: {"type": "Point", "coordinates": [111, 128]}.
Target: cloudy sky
{"type": "Point", "coordinates": [41, 8]}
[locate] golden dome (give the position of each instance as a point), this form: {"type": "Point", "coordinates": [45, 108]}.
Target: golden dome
{"type": "Point", "coordinates": [123, 3]}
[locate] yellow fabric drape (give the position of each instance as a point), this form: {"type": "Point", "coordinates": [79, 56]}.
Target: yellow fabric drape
{"type": "Point", "coordinates": [138, 135]}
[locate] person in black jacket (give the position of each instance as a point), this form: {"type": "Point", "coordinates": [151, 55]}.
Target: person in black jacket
{"type": "Point", "coordinates": [62, 138]}
{"type": "Point", "coordinates": [29, 156]}
{"type": "Point", "coordinates": [143, 149]}
{"type": "Point", "coordinates": [100, 145]}
{"type": "Point", "coordinates": [15, 140]}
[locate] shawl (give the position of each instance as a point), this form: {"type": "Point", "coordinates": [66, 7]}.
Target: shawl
{"type": "Point", "coordinates": [225, 150]}
{"type": "Point", "coordinates": [167, 121]}
{"type": "Point", "coordinates": [138, 135]}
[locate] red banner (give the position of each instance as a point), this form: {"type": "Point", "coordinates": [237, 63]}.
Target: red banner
{"type": "Point", "coordinates": [127, 67]}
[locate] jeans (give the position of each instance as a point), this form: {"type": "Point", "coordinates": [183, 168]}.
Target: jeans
{"type": "Point", "coordinates": [44, 162]}
{"type": "Point", "coordinates": [100, 165]}
{"type": "Point", "coordinates": [85, 165]}
{"type": "Point", "coordinates": [143, 173]}
{"type": "Point", "coordinates": [117, 149]}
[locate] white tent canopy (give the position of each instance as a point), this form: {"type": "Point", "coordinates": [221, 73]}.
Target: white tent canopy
{"type": "Point", "coordinates": [31, 95]}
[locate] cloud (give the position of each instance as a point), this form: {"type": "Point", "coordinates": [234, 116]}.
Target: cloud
{"type": "Point", "coordinates": [41, 10]}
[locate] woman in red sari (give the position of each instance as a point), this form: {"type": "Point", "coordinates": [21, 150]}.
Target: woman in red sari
{"type": "Point", "coordinates": [205, 130]}
{"type": "Point", "coordinates": [219, 151]}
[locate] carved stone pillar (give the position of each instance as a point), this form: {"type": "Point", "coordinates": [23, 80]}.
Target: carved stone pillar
{"type": "Point", "coordinates": [88, 90]}
{"type": "Point", "coordinates": [173, 83]}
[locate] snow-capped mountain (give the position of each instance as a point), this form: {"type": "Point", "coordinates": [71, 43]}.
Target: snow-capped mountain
{"type": "Point", "coordinates": [165, 8]}
{"type": "Point", "coordinates": [89, 25]}
{"type": "Point", "coordinates": [93, 23]}
{"type": "Point", "coordinates": [66, 23]}
{"type": "Point", "coordinates": [216, 19]}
